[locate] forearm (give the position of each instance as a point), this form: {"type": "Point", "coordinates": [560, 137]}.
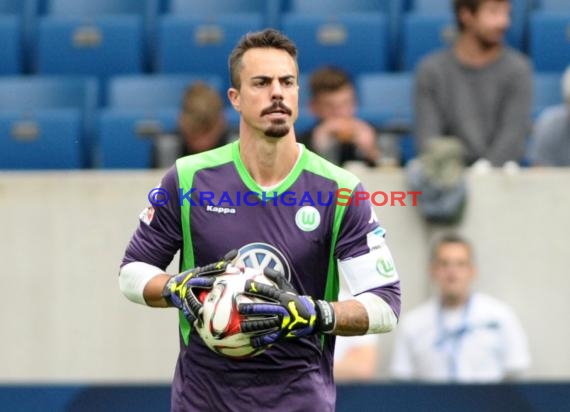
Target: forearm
{"type": "Point", "coordinates": [366, 314]}
{"type": "Point", "coordinates": [153, 291]}
{"type": "Point", "coordinates": [351, 318]}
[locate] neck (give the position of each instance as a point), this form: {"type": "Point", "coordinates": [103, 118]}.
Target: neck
{"type": "Point", "coordinates": [470, 51]}
{"type": "Point", "coordinates": [267, 159]}
{"type": "Point", "coordinates": [453, 301]}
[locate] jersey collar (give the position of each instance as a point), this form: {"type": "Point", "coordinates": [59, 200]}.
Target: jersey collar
{"type": "Point", "coordinates": [285, 184]}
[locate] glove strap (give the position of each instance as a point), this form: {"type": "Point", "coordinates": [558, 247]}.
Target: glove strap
{"type": "Point", "coordinates": [326, 316]}
{"type": "Point", "coordinates": [167, 291]}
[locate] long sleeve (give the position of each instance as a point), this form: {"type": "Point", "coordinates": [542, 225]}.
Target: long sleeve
{"type": "Point", "coordinates": [428, 117]}
{"type": "Point", "coordinates": [514, 125]}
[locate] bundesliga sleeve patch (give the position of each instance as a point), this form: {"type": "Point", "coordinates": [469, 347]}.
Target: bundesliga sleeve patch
{"type": "Point", "coordinates": [147, 215]}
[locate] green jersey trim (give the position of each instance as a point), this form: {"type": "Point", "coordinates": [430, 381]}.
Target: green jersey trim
{"type": "Point", "coordinates": [252, 185]}
{"type": "Point", "coordinates": [186, 168]}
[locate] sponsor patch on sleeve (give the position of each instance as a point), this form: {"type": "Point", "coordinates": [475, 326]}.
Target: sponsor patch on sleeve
{"type": "Point", "coordinates": [375, 239]}
{"type": "Point", "coordinates": [147, 215]}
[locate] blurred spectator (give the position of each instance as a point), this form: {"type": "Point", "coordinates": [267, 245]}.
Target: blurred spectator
{"type": "Point", "coordinates": [355, 357]}
{"type": "Point", "coordinates": [459, 335]}
{"type": "Point", "coordinates": [201, 126]}
{"type": "Point", "coordinates": [339, 136]}
{"type": "Point", "coordinates": [551, 145]}
{"type": "Point", "coordinates": [479, 90]}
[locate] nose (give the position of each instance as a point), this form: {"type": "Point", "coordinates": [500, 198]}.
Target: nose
{"type": "Point", "coordinates": [276, 90]}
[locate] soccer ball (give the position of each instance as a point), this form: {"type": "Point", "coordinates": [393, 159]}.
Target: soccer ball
{"type": "Point", "coordinates": [221, 330]}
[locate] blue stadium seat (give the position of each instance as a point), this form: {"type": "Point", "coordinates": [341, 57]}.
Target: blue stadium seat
{"type": "Point", "coordinates": [355, 42]}
{"type": "Point", "coordinates": [553, 5]}
{"type": "Point", "coordinates": [550, 40]}
{"type": "Point", "coordinates": [103, 47]}
{"type": "Point", "coordinates": [547, 91]}
{"type": "Point", "coordinates": [424, 34]}
{"type": "Point", "coordinates": [197, 45]}
{"type": "Point", "coordinates": [432, 6]}
{"type": "Point", "coordinates": [146, 10]}
{"type": "Point", "coordinates": [392, 9]}
{"type": "Point", "coordinates": [154, 91]}
{"type": "Point", "coordinates": [268, 9]}
{"type": "Point", "coordinates": [386, 101]}
{"type": "Point", "coordinates": [25, 13]}
{"type": "Point", "coordinates": [10, 45]}
{"type": "Point", "coordinates": [28, 94]}
{"type": "Point", "coordinates": [213, 8]}
{"type": "Point", "coordinates": [386, 93]}
{"type": "Point", "coordinates": [91, 8]}
{"type": "Point", "coordinates": [44, 139]}
{"type": "Point", "coordinates": [340, 6]}
{"type": "Point", "coordinates": [126, 136]}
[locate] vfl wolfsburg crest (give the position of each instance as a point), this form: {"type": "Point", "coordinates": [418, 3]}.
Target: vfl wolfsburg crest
{"type": "Point", "coordinates": [308, 218]}
{"type": "Point", "coordinates": [261, 255]}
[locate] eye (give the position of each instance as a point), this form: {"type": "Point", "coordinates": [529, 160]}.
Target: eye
{"type": "Point", "coordinates": [289, 82]}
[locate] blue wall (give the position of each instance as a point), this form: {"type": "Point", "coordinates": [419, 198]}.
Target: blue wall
{"type": "Point", "coordinates": [547, 397]}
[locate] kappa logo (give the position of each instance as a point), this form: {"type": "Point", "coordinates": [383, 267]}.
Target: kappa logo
{"type": "Point", "coordinates": [308, 218]}
{"type": "Point", "coordinates": [262, 255]}
{"type": "Point", "coordinates": [221, 210]}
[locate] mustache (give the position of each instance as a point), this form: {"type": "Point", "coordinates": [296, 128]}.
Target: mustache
{"type": "Point", "coordinates": [277, 105]}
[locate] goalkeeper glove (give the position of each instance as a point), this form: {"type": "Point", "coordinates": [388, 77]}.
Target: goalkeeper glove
{"type": "Point", "coordinates": [183, 290]}
{"type": "Point", "coordinates": [286, 315]}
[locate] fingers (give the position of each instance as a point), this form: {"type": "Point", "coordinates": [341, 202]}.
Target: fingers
{"type": "Point", "coordinates": [231, 255]}
{"type": "Point", "coordinates": [262, 290]}
{"type": "Point", "coordinates": [267, 309]}
{"type": "Point", "coordinates": [201, 282]}
{"type": "Point", "coordinates": [264, 340]}
{"type": "Point", "coordinates": [259, 325]}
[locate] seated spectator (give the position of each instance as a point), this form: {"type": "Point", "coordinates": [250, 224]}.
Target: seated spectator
{"type": "Point", "coordinates": [459, 335]}
{"type": "Point", "coordinates": [479, 90]}
{"type": "Point", "coordinates": [339, 136]}
{"type": "Point", "coordinates": [201, 127]}
{"type": "Point", "coordinates": [551, 145]}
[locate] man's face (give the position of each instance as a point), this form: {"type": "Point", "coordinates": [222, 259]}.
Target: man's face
{"type": "Point", "coordinates": [489, 23]}
{"type": "Point", "coordinates": [269, 91]}
{"type": "Point", "coordinates": [336, 104]}
{"type": "Point", "coordinates": [453, 271]}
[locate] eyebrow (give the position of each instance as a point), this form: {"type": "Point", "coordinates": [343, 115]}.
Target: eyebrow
{"type": "Point", "coordinates": [262, 77]}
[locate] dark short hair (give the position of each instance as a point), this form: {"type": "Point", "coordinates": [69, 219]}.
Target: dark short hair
{"type": "Point", "coordinates": [328, 79]}
{"type": "Point", "coordinates": [471, 5]}
{"type": "Point", "coordinates": [447, 239]}
{"type": "Point", "coordinates": [268, 38]}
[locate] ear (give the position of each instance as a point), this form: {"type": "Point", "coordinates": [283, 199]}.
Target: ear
{"type": "Point", "coordinates": [465, 16]}
{"type": "Point", "coordinates": [234, 97]}
{"type": "Point", "coordinates": [181, 121]}
{"type": "Point", "coordinates": [313, 107]}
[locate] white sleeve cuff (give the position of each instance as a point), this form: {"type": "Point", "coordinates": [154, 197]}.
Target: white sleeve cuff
{"type": "Point", "coordinates": [381, 317]}
{"type": "Point", "coordinates": [133, 278]}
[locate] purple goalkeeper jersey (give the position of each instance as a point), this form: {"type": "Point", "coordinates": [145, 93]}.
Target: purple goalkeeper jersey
{"type": "Point", "coordinates": [297, 228]}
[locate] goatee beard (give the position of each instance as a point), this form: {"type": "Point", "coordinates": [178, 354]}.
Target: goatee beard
{"type": "Point", "coordinates": [277, 130]}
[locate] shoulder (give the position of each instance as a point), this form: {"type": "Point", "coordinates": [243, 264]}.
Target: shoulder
{"type": "Point", "coordinates": [435, 61]}
{"type": "Point", "coordinates": [323, 168]}
{"type": "Point", "coordinates": [419, 318]}
{"type": "Point", "coordinates": [490, 306]}
{"type": "Point", "coordinates": [210, 158]}
{"type": "Point", "coordinates": [516, 61]}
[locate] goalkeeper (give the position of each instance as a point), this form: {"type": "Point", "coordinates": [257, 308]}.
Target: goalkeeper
{"type": "Point", "coordinates": [302, 245]}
